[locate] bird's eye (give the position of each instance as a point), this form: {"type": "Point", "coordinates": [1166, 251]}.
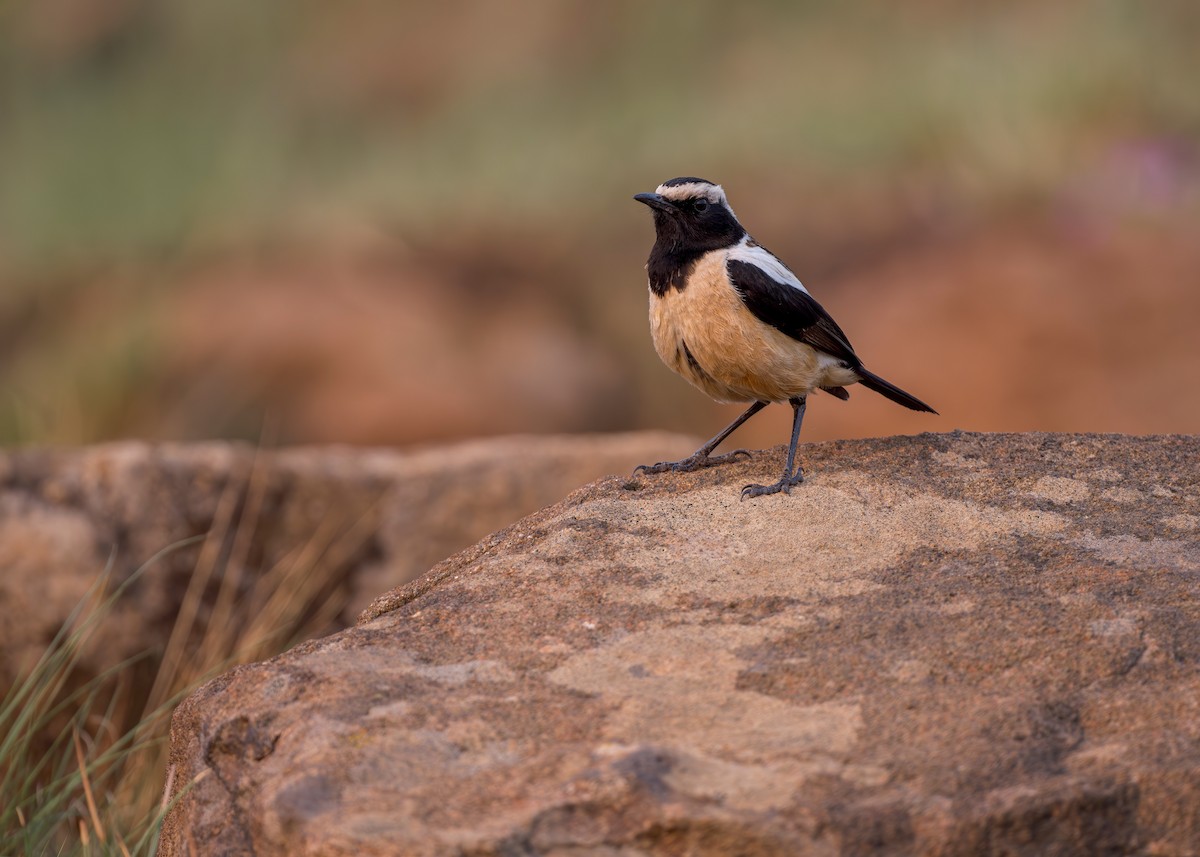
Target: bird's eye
{"type": "Point", "coordinates": [700, 206]}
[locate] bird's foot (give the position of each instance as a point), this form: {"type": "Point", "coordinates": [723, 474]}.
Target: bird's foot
{"type": "Point", "coordinates": [693, 462]}
{"type": "Point", "coordinates": [785, 484]}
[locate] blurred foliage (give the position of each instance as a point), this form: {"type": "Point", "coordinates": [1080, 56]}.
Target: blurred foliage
{"type": "Point", "coordinates": [138, 136]}
{"type": "Point", "coordinates": [135, 126]}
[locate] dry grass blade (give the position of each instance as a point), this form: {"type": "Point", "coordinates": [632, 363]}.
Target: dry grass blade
{"type": "Point", "coordinates": [87, 787]}
{"type": "Point", "coordinates": [213, 649]}
{"type": "Point", "coordinates": [284, 601]}
{"type": "Point", "coordinates": [166, 793]}
{"type": "Point", "coordinates": [189, 608]}
{"type": "Point", "coordinates": [59, 745]}
{"type": "Point", "coordinates": [99, 789]}
{"type": "Point", "coordinates": [298, 596]}
{"type": "Point", "coordinates": [121, 844]}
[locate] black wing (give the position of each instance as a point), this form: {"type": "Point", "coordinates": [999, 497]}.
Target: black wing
{"type": "Point", "coordinates": [790, 310]}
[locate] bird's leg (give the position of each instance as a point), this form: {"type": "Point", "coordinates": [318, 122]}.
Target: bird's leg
{"type": "Point", "coordinates": [788, 479]}
{"type": "Point", "coordinates": [702, 457]}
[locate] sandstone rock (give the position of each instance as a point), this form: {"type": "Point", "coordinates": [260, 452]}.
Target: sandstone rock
{"type": "Point", "coordinates": [945, 644]}
{"type": "Point", "coordinates": [369, 519]}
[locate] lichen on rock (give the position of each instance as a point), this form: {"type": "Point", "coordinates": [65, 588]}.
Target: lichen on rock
{"type": "Point", "coordinates": [953, 644]}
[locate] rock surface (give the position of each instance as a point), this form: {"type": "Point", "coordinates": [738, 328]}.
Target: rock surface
{"type": "Point", "coordinates": [373, 519]}
{"type": "Point", "coordinates": [950, 644]}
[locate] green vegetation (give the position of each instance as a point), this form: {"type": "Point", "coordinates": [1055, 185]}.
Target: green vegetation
{"type": "Point", "coordinates": [83, 758]}
{"type": "Point", "coordinates": [63, 754]}
{"type": "Point", "coordinates": [141, 141]}
{"type": "Point", "coordinates": [173, 123]}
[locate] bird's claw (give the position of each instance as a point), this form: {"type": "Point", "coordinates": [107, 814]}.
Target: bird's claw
{"type": "Point", "coordinates": [693, 462]}
{"type": "Point", "coordinates": [785, 484]}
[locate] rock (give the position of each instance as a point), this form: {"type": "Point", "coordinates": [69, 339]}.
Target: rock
{"type": "Point", "coordinates": [368, 520]}
{"type": "Point", "coordinates": [951, 644]}
{"type": "Point", "coordinates": [358, 338]}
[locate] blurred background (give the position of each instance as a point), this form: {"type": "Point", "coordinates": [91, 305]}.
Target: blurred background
{"type": "Point", "coordinates": [382, 222]}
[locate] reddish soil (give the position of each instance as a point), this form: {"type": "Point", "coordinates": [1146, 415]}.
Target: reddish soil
{"type": "Point", "coordinates": [1022, 327]}
{"type": "Point", "coordinates": [1028, 325]}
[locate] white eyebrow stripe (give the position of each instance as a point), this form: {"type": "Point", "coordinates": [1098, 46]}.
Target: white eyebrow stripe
{"type": "Point", "coordinates": [714, 193]}
{"type": "Point", "coordinates": [766, 261]}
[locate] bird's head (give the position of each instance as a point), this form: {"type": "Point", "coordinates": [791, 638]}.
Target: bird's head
{"type": "Point", "coordinates": [692, 213]}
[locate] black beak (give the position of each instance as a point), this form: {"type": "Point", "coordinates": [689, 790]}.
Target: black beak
{"type": "Point", "coordinates": [656, 201]}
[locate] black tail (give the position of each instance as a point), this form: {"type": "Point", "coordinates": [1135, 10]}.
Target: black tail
{"type": "Point", "coordinates": [873, 382]}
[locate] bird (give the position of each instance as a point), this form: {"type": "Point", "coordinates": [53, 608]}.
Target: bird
{"type": "Point", "coordinates": [731, 318]}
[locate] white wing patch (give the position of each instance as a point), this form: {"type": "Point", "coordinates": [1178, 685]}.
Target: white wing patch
{"type": "Point", "coordinates": [747, 251]}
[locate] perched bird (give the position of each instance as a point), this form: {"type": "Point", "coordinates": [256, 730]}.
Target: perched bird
{"type": "Point", "coordinates": [732, 319]}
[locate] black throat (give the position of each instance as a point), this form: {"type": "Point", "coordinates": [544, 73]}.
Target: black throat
{"type": "Point", "coordinates": [669, 267]}
{"type": "Point", "coordinates": [680, 242]}
{"type": "Point", "coordinates": [684, 233]}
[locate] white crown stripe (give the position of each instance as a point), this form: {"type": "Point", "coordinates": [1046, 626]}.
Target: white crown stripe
{"type": "Point", "coordinates": [714, 193]}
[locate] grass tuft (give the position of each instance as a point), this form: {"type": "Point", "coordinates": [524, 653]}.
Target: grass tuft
{"type": "Point", "coordinates": [74, 778]}
{"type": "Point", "coordinates": [57, 791]}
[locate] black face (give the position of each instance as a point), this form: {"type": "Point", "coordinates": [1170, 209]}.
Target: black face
{"type": "Point", "coordinates": [692, 224]}
{"type": "Point", "coordinates": [685, 229]}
